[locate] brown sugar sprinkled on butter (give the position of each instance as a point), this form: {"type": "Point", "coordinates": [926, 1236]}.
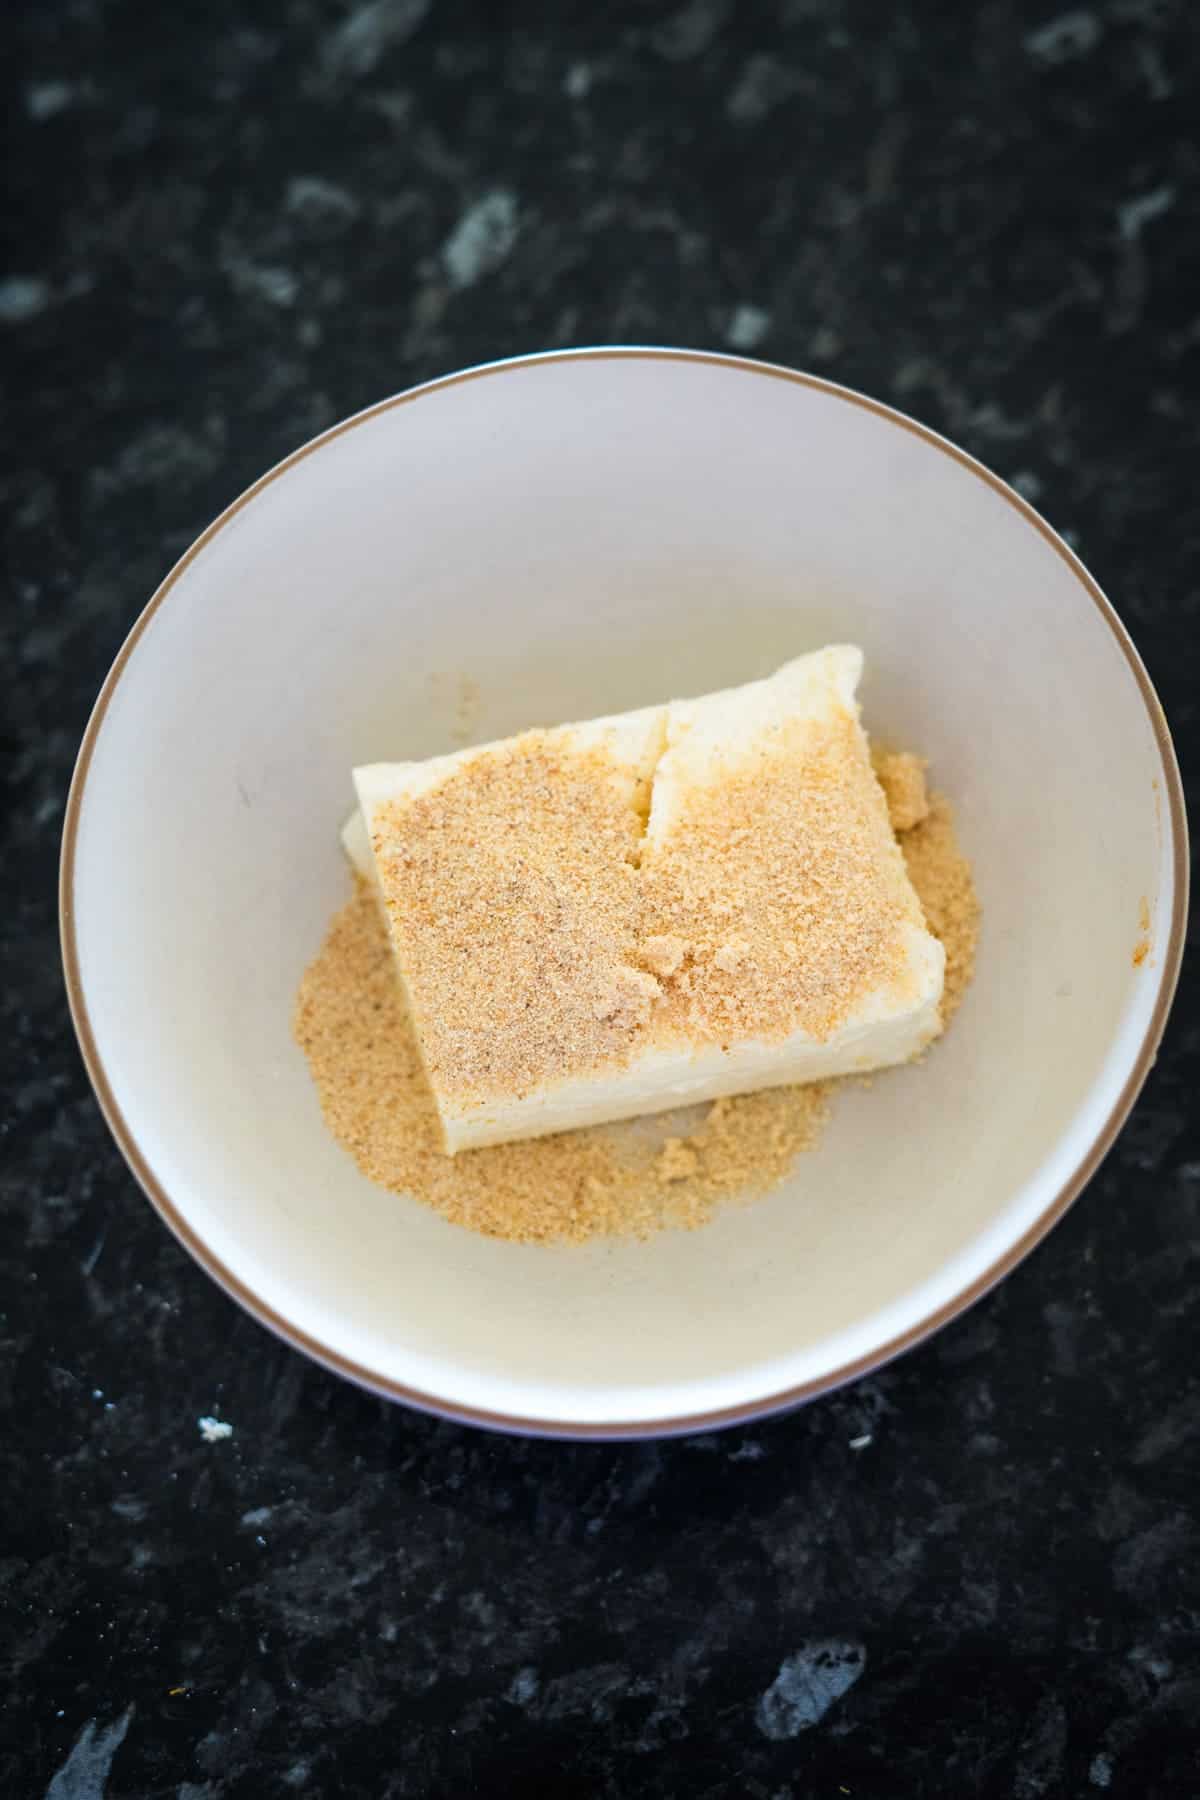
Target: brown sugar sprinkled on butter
{"type": "Point", "coordinates": [351, 1022]}
{"type": "Point", "coordinates": [510, 895]}
{"type": "Point", "coordinates": [731, 956]}
{"type": "Point", "coordinates": [663, 953]}
{"type": "Point", "coordinates": [547, 929]}
{"type": "Point", "coordinates": [784, 880]}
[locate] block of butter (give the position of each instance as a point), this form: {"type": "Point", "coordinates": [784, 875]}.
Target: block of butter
{"type": "Point", "coordinates": [641, 912]}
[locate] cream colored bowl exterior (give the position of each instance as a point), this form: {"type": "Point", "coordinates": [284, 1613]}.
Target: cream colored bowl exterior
{"type": "Point", "coordinates": [579, 534]}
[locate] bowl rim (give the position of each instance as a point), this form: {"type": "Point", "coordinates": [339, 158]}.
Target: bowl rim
{"type": "Point", "coordinates": [1167, 972]}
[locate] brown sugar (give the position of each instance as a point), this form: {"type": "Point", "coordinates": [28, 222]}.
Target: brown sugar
{"type": "Point", "coordinates": [941, 875]}
{"type": "Point", "coordinates": [548, 927]}
{"type": "Point", "coordinates": [355, 1032]}
{"type": "Point", "coordinates": [901, 775]}
{"type": "Point", "coordinates": [676, 1161]}
{"type": "Point", "coordinates": [513, 905]}
{"type": "Point", "coordinates": [352, 1025]}
{"type": "Point", "coordinates": [632, 1179]}
{"type": "Point", "coordinates": [663, 954]}
{"type": "Point", "coordinates": [783, 880]}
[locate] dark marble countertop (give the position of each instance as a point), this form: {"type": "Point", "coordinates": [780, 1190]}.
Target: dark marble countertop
{"type": "Point", "coordinates": [228, 226]}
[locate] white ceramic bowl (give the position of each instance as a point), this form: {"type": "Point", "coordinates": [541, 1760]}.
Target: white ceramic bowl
{"type": "Point", "coordinates": [576, 534]}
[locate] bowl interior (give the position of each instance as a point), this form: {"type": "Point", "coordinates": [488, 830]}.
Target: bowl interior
{"type": "Point", "coordinates": [573, 536]}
